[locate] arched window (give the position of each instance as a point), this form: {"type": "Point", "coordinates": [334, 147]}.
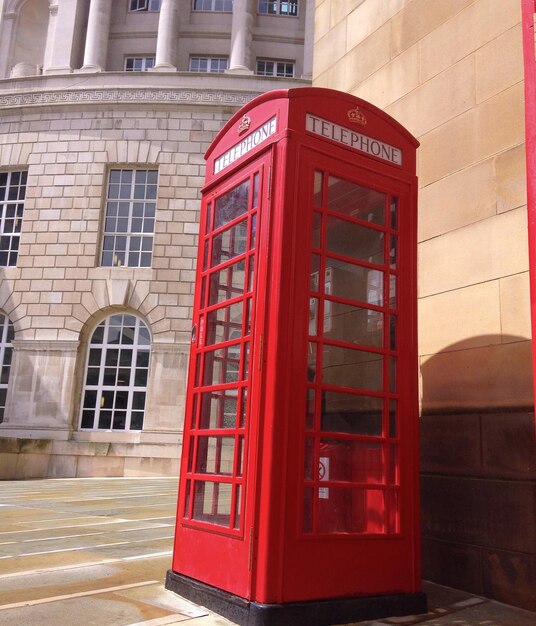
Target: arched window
{"type": "Point", "coordinates": [116, 375]}
{"type": "Point", "coordinates": [6, 350]}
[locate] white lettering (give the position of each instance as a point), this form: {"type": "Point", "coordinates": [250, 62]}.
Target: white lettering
{"type": "Point", "coordinates": [248, 143]}
{"type": "Point", "coordinates": [354, 140]}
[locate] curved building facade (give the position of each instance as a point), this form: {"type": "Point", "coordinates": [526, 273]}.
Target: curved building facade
{"type": "Point", "coordinates": [106, 109]}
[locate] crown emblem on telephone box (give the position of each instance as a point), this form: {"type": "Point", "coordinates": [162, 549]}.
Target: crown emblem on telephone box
{"type": "Point", "coordinates": [245, 123]}
{"type": "Point", "coordinates": [357, 117]}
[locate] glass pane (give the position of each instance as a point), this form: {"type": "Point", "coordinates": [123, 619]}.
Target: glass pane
{"type": "Point", "coordinates": [317, 230]}
{"type": "Point", "coordinates": [243, 408]}
{"type": "Point", "coordinates": [392, 292]}
{"type": "Point", "coordinates": [394, 212]}
{"type": "Point", "coordinates": [238, 506]}
{"type": "Point", "coordinates": [136, 420]}
{"type": "Point", "coordinates": [313, 316]}
{"type": "Point", "coordinates": [255, 201]}
{"type": "Point", "coordinates": [212, 502]}
{"type": "Point", "coordinates": [351, 199]}
{"type": "Point", "coordinates": [221, 366]}
{"type": "Point", "coordinates": [224, 324]}
{"type": "Point", "coordinates": [215, 455]}
{"type": "Point", "coordinates": [240, 457]}
{"type": "Point", "coordinates": [229, 244]}
{"type": "Point", "coordinates": [353, 461]}
{"type": "Point", "coordinates": [315, 272]}
{"type": "Point", "coordinates": [393, 511]}
{"type": "Point", "coordinates": [187, 498]}
{"type": "Point", "coordinates": [87, 419]}
{"type": "Point", "coordinates": [392, 332]}
{"type": "Point", "coordinates": [227, 283]}
{"type": "Point", "coordinates": [393, 465]}
{"type": "Point", "coordinates": [353, 282]}
{"type": "Point", "coordinates": [231, 205]}
{"type": "Point", "coordinates": [308, 473]}
{"type": "Point", "coordinates": [392, 419]}
{"type": "Point", "coordinates": [253, 235]}
{"type": "Point", "coordinates": [355, 510]}
{"type": "Point", "coordinates": [348, 413]}
{"type": "Point", "coordinates": [218, 409]}
{"type": "Point", "coordinates": [251, 273]}
{"type": "Point", "coordinates": [393, 252]}
{"type": "Point", "coordinates": [245, 372]}
{"type": "Point", "coordinates": [311, 362]}
{"type": "Point", "coordinates": [355, 241]}
{"type": "Point", "coordinates": [392, 374]}
{"type": "Point", "coordinates": [317, 198]}
{"type": "Point", "coordinates": [209, 217]}
{"type": "Point", "coordinates": [345, 322]}
{"type": "Point", "coordinates": [247, 326]}
{"type": "Point", "coordinates": [355, 369]}
{"type": "Point", "coordinates": [310, 415]}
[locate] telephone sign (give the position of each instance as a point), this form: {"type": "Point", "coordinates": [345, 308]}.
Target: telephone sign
{"type": "Point", "coordinates": [298, 499]}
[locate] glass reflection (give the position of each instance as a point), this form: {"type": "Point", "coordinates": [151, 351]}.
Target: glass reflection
{"type": "Point", "coordinates": [354, 461]}
{"type": "Point", "coordinates": [355, 369]}
{"type": "Point", "coordinates": [353, 282]}
{"type": "Point", "coordinates": [353, 324]}
{"type": "Point", "coordinates": [231, 204]}
{"type": "Point", "coordinates": [352, 414]}
{"type": "Point", "coordinates": [218, 409]}
{"type": "Point", "coordinates": [224, 323]}
{"type": "Point", "coordinates": [229, 244]}
{"type": "Point", "coordinates": [355, 241]}
{"type": "Point", "coordinates": [227, 283]}
{"type": "Point", "coordinates": [356, 201]}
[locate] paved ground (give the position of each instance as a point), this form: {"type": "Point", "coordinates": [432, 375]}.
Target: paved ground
{"type": "Point", "coordinates": [96, 551]}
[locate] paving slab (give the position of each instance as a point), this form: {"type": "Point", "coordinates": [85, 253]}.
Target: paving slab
{"type": "Point", "coordinates": [97, 551]}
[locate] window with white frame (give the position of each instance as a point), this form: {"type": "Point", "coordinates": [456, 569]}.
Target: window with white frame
{"type": "Point", "coordinates": [209, 64]}
{"type": "Point", "coordinates": [279, 7]}
{"type": "Point", "coordinates": [116, 375]}
{"type": "Point", "coordinates": [144, 5]}
{"type": "Point", "coordinates": [12, 194]}
{"type": "Point", "coordinates": [6, 351]}
{"type": "Point", "coordinates": [138, 64]}
{"type": "Point", "coordinates": [221, 6]}
{"type": "Point", "coordinates": [129, 220]}
{"type": "Point", "coordinates": [269, 67]}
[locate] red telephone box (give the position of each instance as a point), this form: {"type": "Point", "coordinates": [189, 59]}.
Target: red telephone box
{"type": "Point", "coordinates": [298, 500]}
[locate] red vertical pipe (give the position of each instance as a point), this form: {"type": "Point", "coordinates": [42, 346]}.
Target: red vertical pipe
{"type": "Point", "coordinates": [528, 10]}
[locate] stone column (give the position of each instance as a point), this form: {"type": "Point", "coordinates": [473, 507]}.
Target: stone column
{"type": "Point", "coordinates": [6, 35]}
{"type": "Point", "coordinates": [309, 39]}
{"type": "Point", "coordinates": [166, 43]}
{"type": "Point", "coordinates": [98, 30]}
{"type": "Point", "coordinates": [241, 37]}
{"type": "Point", "coordinates": [62, 36]}
{"type": "Point", "coordinates": [51, 32]}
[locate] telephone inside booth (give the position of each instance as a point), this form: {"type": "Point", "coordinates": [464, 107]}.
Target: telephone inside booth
{"type": "Point", "coordinates": [298, 499]}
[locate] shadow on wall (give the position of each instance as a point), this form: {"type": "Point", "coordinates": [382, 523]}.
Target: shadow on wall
{"type": "Point", "coordinates": [478, 464]}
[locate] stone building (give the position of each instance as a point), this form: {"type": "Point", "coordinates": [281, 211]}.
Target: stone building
{"type": "Point", "coordinates": [453, 73]}
{"type": "Point", "coordinates": [106, 109]}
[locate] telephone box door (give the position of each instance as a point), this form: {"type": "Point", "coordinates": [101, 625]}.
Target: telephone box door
{"type": "Point", "coordinates": [357, 361]}
{"type": "Point", "coordinates": [215, 519]}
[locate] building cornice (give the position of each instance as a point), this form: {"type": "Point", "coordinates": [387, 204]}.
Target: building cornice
{"type": "Point", "coordinates": [124, 88]}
